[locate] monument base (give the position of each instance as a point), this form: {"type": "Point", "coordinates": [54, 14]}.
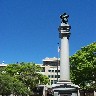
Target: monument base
{"type": "Point", "coordinates": [65, 88]}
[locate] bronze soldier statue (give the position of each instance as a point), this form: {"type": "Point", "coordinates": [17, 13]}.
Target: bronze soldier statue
{"type": "Point", "coordinates": [64, 18]}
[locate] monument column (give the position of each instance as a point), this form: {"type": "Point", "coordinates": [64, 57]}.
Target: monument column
{"type": "Point", "coordinates": [64, 87]}
{"type": "Point", "coordinates": [64, 52]}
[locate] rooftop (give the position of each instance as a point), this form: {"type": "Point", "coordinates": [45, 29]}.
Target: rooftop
{"type": "Point", "coordinates": [51, 59]}
{"type": "Point", "coordinates": [3, 65]}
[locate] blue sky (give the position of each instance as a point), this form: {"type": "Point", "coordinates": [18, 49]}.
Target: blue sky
{"type": "Point", "coordinates": [29, 28]}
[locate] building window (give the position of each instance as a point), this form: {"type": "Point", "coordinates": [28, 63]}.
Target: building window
{"type": "Point", "coordinates": [56, 76]}
{"type": "Point", "coordinates": [52, 76]}
{"type": "Point", "coordinates": [55, 81]}
{"type": "Point", "coordinates": [51, 82]}
{"type": "Point", "coordinates": [56, 70]}
{"type": "Point", "coordinates": [53, 63]}
{"type": "Point", "coordinates": [49, 70]}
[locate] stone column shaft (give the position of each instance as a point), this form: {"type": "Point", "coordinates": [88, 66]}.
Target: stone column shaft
{"type": "Point", "coordinates": [64, 52]}
{"type": "Point", "coordinates": [64, 59]}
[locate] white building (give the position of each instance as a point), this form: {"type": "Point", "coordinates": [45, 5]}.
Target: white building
{"type": "Point", "coordinates": [3, 65]}
{"type": "Point", "coordinates": [50, 69]}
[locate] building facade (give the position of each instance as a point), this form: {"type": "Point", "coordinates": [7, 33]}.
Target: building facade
{"type": "Point", "coordinates": [50, 69]}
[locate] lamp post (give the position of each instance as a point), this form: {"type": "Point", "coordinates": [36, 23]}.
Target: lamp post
{"type": "Point", "coordinates": [58, 60]}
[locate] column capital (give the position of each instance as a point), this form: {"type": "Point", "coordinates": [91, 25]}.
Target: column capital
{"type": "Point", "coordinates": [64, 30]}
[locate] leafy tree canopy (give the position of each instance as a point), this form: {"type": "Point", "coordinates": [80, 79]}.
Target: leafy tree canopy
{"type": "Point", "coordinates": [83, 66]}
{"type": "Point", "coordinates": [25, 76]}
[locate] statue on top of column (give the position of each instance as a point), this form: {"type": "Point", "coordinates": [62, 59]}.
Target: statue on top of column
{"type": "Point", "coordinates": [64, 18]}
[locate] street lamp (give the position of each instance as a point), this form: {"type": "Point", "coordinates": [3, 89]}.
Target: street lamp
{"type": "Point", "coordinates": [58, 60]}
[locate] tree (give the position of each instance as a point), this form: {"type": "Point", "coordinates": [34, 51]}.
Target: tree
{"type": "Point", "coordinates": [27, 73]}
{"type": "Point", "coordinates": [18, 88]}
{"type": "Point", "coordinates": [43, 79]}
{"type": "Point", "coordinates": [83, 67]}
{"type": "Point", "coordinates": [11, 85]}
{"type": "Point", "coordinates": [5, 84]}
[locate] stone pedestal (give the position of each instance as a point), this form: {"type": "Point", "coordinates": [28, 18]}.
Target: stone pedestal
{"type": "Point", "coordinates": [64, 87]}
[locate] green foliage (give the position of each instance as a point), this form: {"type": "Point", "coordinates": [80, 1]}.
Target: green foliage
{"type": "Point", "coordinates": [43, 79]}
{"type": "Point", "coordinates": [83, 66]}
{"type": "Point", "coordinates": [23, 78]}
{"type": "Point", "coordinates": [19, 88]}
{"type": "Point", "coordinates": [10, 85]}
{"type": "Point", "coordinates": [5, 84]}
